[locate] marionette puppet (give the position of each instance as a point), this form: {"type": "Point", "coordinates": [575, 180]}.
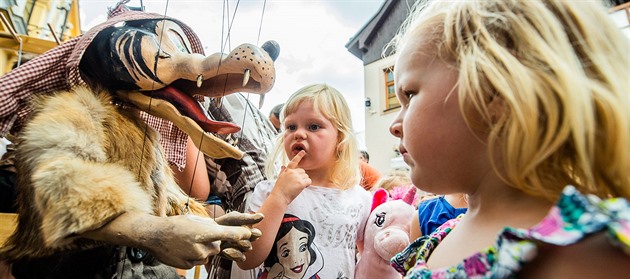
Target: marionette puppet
{"type": "Point", "coordinates": [96, 195]}
{"type": "Point", "coordinates": [386, 233]}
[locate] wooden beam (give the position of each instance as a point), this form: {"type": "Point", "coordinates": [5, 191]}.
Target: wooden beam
{"type": "Point", "coordinates": [29, 44]}
{"type": "Point", "coordinates": [9, 223]}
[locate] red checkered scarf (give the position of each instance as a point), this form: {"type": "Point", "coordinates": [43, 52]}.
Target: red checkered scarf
{"type": "Point", "coordinates": [58, 69]}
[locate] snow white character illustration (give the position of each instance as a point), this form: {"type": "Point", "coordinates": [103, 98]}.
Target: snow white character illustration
{"type": "Point", "coordinates": [293, 254]}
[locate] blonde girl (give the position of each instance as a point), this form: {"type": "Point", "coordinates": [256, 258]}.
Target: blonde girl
{"type": "Point", "coordinates": [523, 106]}
{"type": "Point", "coordinates": [319, 184]}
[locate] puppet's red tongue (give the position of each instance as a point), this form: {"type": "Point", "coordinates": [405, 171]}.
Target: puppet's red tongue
{"type": "Point", "coordinates": [189, 107]}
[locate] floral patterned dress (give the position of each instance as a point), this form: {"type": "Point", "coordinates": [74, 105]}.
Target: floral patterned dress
{"type": "Point", "coordinates": [574, 217]}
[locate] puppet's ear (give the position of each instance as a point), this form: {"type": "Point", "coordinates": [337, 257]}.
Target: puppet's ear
{"type": "Point", "coordinates": [410, 195]}
{"type": "Point", "coordinates": [380, 197]}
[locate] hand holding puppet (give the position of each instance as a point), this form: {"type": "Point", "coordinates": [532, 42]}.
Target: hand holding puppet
{"type": "Point", "coordinates": [93, 177]}
{"type": "Point", "coordinates": [386, 233]}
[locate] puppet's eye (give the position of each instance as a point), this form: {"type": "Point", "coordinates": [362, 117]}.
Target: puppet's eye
{"type": "Point", "coordinates": [380, 219]}
{"type": "Point", "coordinates": [162, 54]}
{"type": "Point", "coordinates": [178, 41]}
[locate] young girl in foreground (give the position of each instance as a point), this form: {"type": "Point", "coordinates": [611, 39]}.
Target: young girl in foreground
{"type": "Point", "coordinates": [320, 186]}
{"type": "Point", "coordinates": [509, 102]}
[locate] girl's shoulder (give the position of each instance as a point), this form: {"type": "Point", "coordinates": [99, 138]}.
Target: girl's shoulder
{"type": "Point", "coordinates": [578, 228]}
{"type": "Point", "coordinates": [577, 236]}
{"type": "Point", "coordinates": [592, 257]}
{"type": "Point", "coordinates": [576, 216]}
{"type": "Point", "coordinates": [360, 193]}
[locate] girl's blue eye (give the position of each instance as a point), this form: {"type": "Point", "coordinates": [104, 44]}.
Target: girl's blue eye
{"type": "Point", "coordinates": [313, 127]}
{"type": "Point", "coordinates": [290, 127]}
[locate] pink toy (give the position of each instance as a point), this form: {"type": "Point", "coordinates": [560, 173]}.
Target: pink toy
{"type": "Point", "coordinates": [386, 233]}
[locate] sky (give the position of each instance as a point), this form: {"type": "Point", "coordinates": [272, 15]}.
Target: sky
{"type": "Point", "coordinates": [311, 33]}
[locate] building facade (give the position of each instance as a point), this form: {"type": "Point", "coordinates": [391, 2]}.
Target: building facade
{"type": "Point", "coordinates": [381, 107]}
{"type": "Point", "coordinates": [31, 27]}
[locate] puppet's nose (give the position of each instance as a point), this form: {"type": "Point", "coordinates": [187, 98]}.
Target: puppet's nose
{"type": "Point", "coordinates": [272, 48]}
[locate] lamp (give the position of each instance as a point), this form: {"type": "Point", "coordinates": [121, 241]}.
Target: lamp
{"type": "Point", "coordinates": [368, 105]}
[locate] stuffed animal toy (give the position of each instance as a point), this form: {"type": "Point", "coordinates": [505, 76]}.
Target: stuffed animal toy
{"type": "Point", "coordinates": [386, 233]}
{"type": "Point", "coordinates": [97, 198]}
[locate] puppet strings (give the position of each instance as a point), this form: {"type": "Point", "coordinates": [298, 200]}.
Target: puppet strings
{"type": "Point", "coordinates": [262, 17]}
{"type": "Point", "coordinates": [228, 44]}
{"type": "Point", "coordinates": [146, 127]}
{"type": "Point", "coordinates": [225, 10]}
{"type": "Point", "coordinates": [192, 180]}
{"type": "Point", "coordinates": [224, 44]}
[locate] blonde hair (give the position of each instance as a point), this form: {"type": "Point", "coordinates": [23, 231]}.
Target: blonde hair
{"type": "Point", "coordinates": [560, 69]}
{"type": "Point", "coordinates": [330, 103]}
{"type": "Point", "coordinates": [394, 179]}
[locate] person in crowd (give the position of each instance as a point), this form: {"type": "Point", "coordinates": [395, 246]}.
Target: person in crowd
{"type": "Point", "coordinates": [318, 183]}
{"type": "Point", "coordinates": [232, 181]}
{"type": "Point", "coordinates": [523, 107]}
{"type": "Point", "coordinates": [434, 212]}
{"type": "Point", "coordinates": [274, 116]}
{"type": "Point", "coordinates": [369, 176]}
{"type": "Point", "coordinates": [395, 178]}
{"type": "Point", "coordinates": [364, 156]}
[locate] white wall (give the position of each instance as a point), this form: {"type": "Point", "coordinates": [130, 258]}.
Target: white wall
{"type": "Point", "coordinates": [379, 142]}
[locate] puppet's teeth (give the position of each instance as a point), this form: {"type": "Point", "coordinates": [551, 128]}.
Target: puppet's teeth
{"type": "Point", "coordinates": [246, 77]}
{"type": "Point", "coordinates": [261, 101]}
{"type": "Point", "coordinates": [199, 80]}
{"type": "Point", "coordinates": [231, 140]}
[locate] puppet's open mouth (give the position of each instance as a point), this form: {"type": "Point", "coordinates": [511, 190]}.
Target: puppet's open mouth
{"type": "Point", "coordinates": [189, 107]}
{"type": "Point", "coordinates": [206, 142]}
{"type": "Point", "coordinates": [246, 69]}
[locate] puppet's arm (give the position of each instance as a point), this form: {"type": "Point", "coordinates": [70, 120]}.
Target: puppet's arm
{"type": "Point", "coordinates": [182, 241]}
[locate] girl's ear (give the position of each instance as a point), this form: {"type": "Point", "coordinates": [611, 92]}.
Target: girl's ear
{"type": "Point", "coordinates": [496, 108]}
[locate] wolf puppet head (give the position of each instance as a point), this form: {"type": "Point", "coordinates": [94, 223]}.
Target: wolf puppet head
{"type": "Point", "coordinates": [150, 61]}
{"type": "Point", "coordinates": [157, 64]}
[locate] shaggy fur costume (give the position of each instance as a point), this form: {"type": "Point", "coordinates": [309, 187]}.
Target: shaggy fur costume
{"type": "Point", "coordinates": [83, 161]}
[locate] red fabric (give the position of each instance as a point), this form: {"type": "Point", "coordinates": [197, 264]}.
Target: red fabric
{"type": "Point", "coordinates": [369, 175]}
{"type": "Point", "coordinates": [58, 69]}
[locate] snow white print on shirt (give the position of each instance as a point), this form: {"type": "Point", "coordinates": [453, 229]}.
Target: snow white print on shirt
{"type": "Point", "coordinates": [293, 255]}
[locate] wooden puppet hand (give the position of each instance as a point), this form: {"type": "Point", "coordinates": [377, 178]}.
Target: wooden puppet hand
{"type": "Point", "coordinates": [188, 240]}
{"type": "Point", "coordinates": [291, 180]}
{"type": "Point", "coordinates": [233, 250]}
{"type": "Point", "coordinates": [181, 241]}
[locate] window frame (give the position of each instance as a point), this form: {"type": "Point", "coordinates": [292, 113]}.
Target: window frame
{"type": "Point", "coordinates": [390, 100]}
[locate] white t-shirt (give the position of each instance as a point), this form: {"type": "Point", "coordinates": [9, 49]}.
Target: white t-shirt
{"type": "Point", "coordinates": [318, 234]}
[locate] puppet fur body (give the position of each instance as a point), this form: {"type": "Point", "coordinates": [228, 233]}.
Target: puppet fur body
{"type": "Point", "coordinates": [82, 161]}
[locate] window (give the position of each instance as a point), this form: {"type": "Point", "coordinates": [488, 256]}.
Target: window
{"type": "Point", "coordinates": [391, 102]}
